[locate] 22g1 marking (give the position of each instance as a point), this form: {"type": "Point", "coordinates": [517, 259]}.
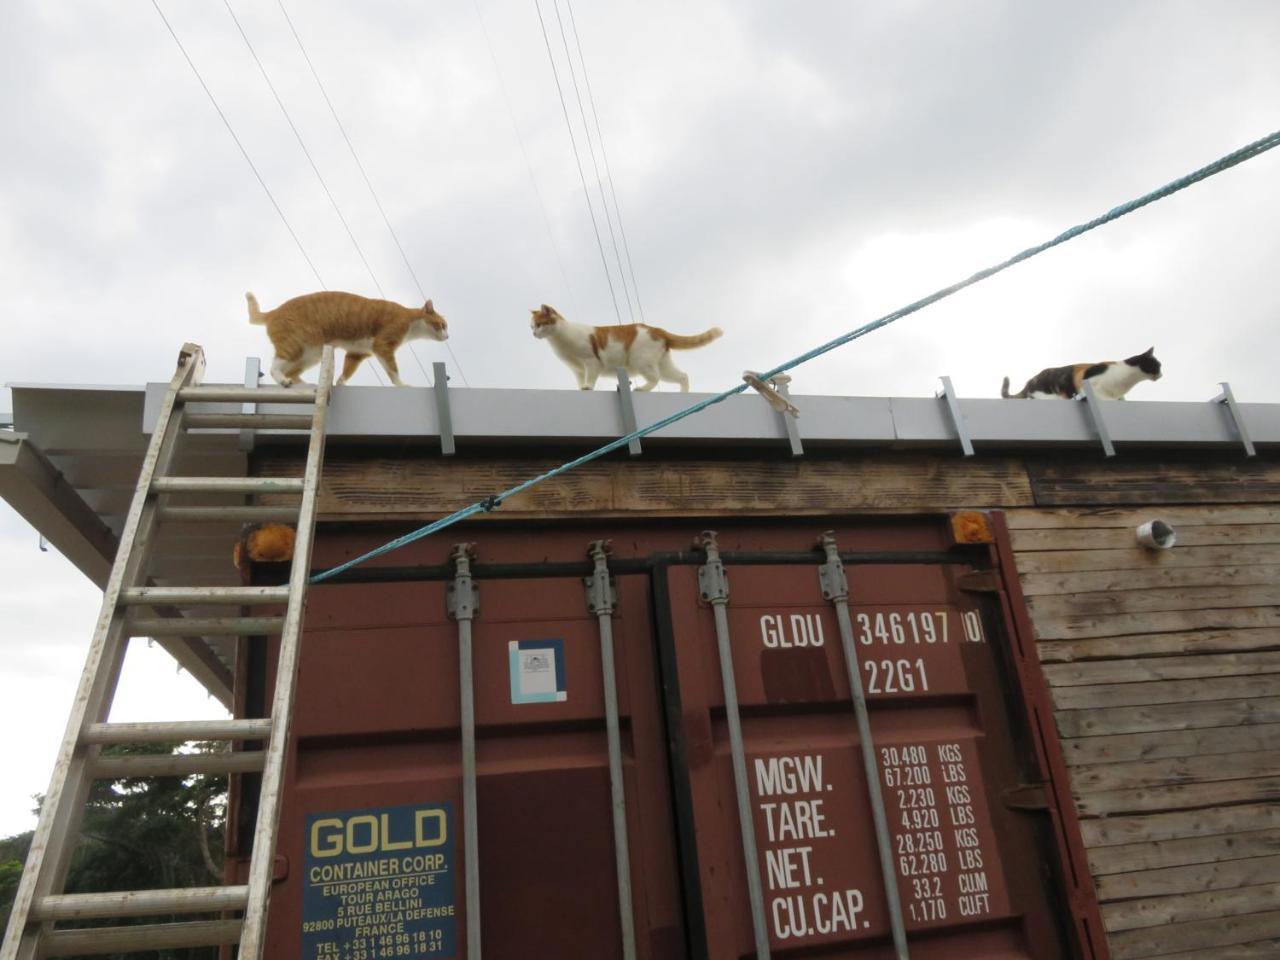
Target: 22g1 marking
{"type": "Point", "coordinates": [895, 676]}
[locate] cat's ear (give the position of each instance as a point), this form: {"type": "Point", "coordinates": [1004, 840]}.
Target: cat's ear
{"type": "Point", "coordinates": [1151, 352]}
{"type": "Point", "coordinates": [429, 307]}
{"type": "Point", "coordinates": [545, 310]}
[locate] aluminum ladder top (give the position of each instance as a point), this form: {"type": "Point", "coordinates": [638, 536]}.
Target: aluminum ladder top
{"type": "Point", "coordinates": [40, 902]}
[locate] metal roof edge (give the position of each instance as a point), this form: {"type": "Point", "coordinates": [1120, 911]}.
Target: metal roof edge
{"type": "Point", "coordinates": [581, 417]}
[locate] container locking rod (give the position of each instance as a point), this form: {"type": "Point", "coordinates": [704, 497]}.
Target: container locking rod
{"type": "Point", "coordinates": [462, 601]}
{"type": "Point", "coordinates": [713, 585]}
{"type": "Point", "coordinates": [602, 598]}
{"type": "Point", "coordinates": [835, 587]}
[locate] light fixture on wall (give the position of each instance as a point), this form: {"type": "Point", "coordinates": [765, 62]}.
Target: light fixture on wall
{"type": "Point", "coordinates": [1157, 535]}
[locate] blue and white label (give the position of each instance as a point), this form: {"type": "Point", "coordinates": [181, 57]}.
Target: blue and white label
{"type": "Point", "coordinates": [537, 671]}
{"type": "Point", "coordinates": [379, 883]}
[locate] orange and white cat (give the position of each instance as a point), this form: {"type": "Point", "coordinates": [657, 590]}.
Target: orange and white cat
{"type": "Point", "coordinates": [636, 347]}
{"type": "Point", "coordinates": [299, 329]}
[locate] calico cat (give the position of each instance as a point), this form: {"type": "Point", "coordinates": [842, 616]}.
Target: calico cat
{"type": "Point", "coordinates": [1110, 379]}
{"type": "Point", "coordinates": [637, 347]}
{"type": "Point", "coordinates": [300, 327]}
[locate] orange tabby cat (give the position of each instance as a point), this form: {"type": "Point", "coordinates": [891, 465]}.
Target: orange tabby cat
{"type": "Point", "coordinates": [300, 327]}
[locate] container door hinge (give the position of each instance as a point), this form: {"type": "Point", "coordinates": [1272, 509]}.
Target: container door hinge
{"type": "Point", "coordinates": [462, 596]}
{"type": "Point", "coordinates": [979, 581]}
{"type": "Point", "coordinates": [713, 582]}
{"type": "Point", "coordinates": [1026, 796]}
{"type": "Point", "coordinates": [831, 576]}
{"type": "Point", "coordinates": [602, 591]}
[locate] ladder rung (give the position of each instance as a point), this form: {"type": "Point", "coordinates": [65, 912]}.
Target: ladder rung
{"type": "Point", "coordinates": [177, 764]}
{"type": "Point", "coordinates": [170, 731]}
{"type": "Point", "coordinates": [284, 514]}
{"type": "Point", "coordinates": [194, 596]}
{"type": "Point", "coordinates": [150, 936]}
{"type": "Point", "coordinates": [231, 394]}
{"type": "Point", "coordinates": [205, 627]}
{"type": "Point", "coordinates": [227, 485]}
{"type": "Point", "coordinates": [253, 421]}
{"type": "Point", "coordinates": [139, 903]}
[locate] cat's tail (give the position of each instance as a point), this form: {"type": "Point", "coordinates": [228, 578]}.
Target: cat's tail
{"type": "Point", "coordinates": [255, 313]}
{"type": "Point", "coordinates": [677, 342]}
{"type": "Point", "coordinates": [1004, 388]}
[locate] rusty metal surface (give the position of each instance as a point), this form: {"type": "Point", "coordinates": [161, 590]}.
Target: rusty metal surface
{"type": "Point", "coordinates": [376, 730]}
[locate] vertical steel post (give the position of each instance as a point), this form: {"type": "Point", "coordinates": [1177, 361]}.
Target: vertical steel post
{"type": "Point", "coordinates": [1228, 400]}
{"type": "Point", "coordinates": [1097, 418]}
{"type": "Point", "coordinates": [835, 587]}
{"type": "Point", "coordinates": [444, 415]}
{"type": "Point", "coordinates": [713, 584]}
{"type": "Point", "coordinates": [463, 601]}
{"type": "Point", "coordinates": [627, 410]}
{"type": "Point", "coordinates": [602, 597]}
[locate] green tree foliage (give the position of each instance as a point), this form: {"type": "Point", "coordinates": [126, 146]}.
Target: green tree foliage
{"type": "Point", "coordinates": [140, 834]}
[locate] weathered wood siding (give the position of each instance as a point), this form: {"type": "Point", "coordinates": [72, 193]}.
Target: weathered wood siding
{"type": "Point", "coordinates": [1165, 672]}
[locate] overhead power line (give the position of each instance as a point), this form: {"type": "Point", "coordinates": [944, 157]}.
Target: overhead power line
{"type": "Point", "coordinates": [578, 160]}
{"type": "Point", "coordinates": [595, 166]}
{"type": "Point", "coordinates": [626, 247]}
{"type": "Point", "coordinates": [515, 126]}
{"type": "Point", "coordinates": [316, 170]}
{"type": "Point", "coordinates": [367, 182]}
{"type": "Point", "coordinates": [248, 160]}
{"type": "Point", "coordinates": [303, 146]}
{"type": "Point", "coordinates": [243, 152]}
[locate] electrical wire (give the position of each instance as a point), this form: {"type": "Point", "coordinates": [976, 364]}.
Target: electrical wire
{"type": "Point", "coordinates": [546, 217]}
{"type": "Point", "coordinates": [367, 182]}
{"type": "Point", "coordinates": [595, 166]}
{"type": "Point", "coordinates": [578, 160]}
{"type": "Point", "coordinates": [319, 177]}
{"type": "Point", "coordinates": [626, 247]}
{"type": "Point", "coordinates": [243, 152]}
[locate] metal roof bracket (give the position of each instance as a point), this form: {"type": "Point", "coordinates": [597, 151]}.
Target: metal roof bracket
{"type": "Point", "coordinates": [444, 416]}
{"type": "Point", "coordinates": [957, 416]}
{"type": "Point", "coordinates": [627, 410]}
{"type": "Point", "coordinates": [252, 374]}
{"type": "Point", "coordinates": [1099, 422]}
{"type": "Point", "coordinates": [1228, 400]}
{"type": "Point", "coordinates": [789, 422]}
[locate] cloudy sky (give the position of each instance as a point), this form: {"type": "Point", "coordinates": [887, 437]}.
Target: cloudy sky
{"type": "Point", "coordinates": [784, 171]}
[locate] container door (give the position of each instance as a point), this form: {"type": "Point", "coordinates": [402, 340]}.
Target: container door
{"type": "Point", "coordinates": [373, 825]}
{"type": "Point", "coordinates": [972, 875]}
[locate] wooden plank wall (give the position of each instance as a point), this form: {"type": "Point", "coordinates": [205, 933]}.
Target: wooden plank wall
{"type": "Point", "coordinates": [1165, 671]}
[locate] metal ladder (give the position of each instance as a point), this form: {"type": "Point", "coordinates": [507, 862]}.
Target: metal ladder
{"type": "Point", "coordinates": [39, 902]}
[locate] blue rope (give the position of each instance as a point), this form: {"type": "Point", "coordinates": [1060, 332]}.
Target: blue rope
{"type": "Point", "coordinates": [491, 503]}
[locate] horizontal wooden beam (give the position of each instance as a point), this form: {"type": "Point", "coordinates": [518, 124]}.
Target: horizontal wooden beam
{"type": "Point", "coordinates": [375, 488]}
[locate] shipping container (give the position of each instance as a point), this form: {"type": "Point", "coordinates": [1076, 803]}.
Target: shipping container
{"type": "Point", "coordinates": [977, 837]}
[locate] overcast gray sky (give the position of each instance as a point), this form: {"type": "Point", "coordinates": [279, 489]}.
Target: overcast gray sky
{"type": "Point", "coordinates": [785, 171]}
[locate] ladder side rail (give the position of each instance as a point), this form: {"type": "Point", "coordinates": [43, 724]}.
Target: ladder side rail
{"type": "Point", "coordinates": [264, 835]}
{"type": "Point", "coordinates": [52, 843]}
